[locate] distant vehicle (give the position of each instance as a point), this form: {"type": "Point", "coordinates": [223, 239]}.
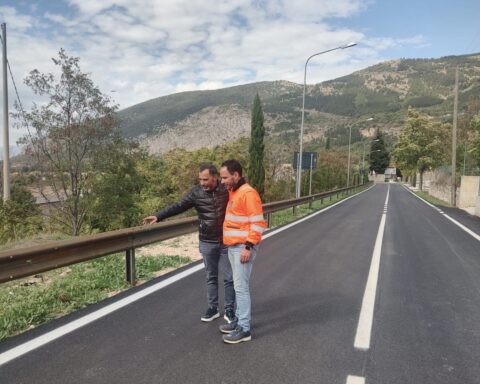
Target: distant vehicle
{"type": "Point", "coordinates": [390, 174]}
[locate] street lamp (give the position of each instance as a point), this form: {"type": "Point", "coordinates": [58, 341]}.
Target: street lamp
{"type": "Point", "coordinates": [363, 158]}
{"type": "Point", "coordinates": [299, 163]}
{"type": "Point", "coordinates": [349, 142]}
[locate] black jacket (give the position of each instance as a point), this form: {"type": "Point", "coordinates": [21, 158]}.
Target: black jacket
{"type": "Point", "coordinates": [210, 206]}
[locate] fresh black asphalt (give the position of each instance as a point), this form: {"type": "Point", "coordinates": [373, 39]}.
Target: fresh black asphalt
{"type": "Point", "coordinates": [307, 288]}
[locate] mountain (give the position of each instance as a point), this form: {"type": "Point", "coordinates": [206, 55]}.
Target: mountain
{"type": "Point", "coordinates": [380, 94]}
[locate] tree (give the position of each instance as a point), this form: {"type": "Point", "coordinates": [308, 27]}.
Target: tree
{"type": "Point", "coordinates": [19, 216]}
{"type": "Point", "coordinates": [422, 145]}
{"type": "Point", "coordinates": [327, 143]}
{"type": "Point", "coordinates": [256, 169]}
{"type": "Point", "coordinates": [75, 123]}
{"type": "Point", "coordinates": [117, 187]}
{"type": "Point", "coordinates": [379, 156]}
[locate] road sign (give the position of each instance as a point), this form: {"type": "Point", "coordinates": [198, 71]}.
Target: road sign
{"type": "Point", "coordinates": [308, 159]}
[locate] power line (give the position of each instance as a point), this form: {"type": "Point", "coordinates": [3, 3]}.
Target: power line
{"type": "Point", "coordinates": [16, 92]}
{"type": "Point", "coordinates": [473, 45]}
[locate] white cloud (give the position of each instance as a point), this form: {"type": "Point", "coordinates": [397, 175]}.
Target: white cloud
{"type": "Point", "coordinates": [15, 20]}
{"type": "Point", "coordinates": [143, 49]}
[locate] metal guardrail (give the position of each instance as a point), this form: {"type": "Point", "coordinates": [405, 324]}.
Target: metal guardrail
{"type": "Point", "coordinates": [22, 262]}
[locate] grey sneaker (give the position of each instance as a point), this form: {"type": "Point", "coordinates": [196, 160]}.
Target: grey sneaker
{"type": "Point", "coordinates": [237, 336]}
{"type": "Point", "coordinates": [227, 328]}
{"type": "Point", "coordinates": [211, 314]}
{"type": "Point", "coordinates": [229, 315]}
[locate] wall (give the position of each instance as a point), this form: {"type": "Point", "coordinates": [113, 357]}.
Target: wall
{"type": "Point", "coordinates": [469, 193]}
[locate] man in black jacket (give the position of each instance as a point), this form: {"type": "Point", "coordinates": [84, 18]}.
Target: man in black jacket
{"type": "Point", "coordinates": [209, 198]}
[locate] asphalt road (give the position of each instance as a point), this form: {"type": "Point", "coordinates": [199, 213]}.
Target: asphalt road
{"type": "Point", "coordinates": [308, 285]}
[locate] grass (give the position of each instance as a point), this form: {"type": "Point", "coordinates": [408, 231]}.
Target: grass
{"type": "Point", "coordinates": [30, 302]}
{"type": "Point", "coordinates": [431, 199]}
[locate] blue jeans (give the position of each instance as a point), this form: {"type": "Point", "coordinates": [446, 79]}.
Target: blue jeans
{"type": "Point", "coordinates": [241, 282]}
{"type": "Point", "coordinates": [215, 260]}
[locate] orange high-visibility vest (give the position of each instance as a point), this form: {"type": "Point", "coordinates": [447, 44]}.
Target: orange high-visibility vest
{"type": "Point", "coordinates": [244, 220]}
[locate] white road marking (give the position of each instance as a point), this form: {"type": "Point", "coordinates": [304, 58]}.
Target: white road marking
{"type": "Point", "coordinates": [74, 325]}
{"type": "Point", "coordinates": [39, 341]}
{"type": "Point", "coordinates": [460, 225]}
{"type": "Point", "coordinates": [355, 380]}
{"type": "Point", "coordinates": [365, 321]}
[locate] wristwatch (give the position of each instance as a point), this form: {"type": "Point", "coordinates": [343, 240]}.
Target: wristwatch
{"type": "Point", "coordinates": [248, 246]}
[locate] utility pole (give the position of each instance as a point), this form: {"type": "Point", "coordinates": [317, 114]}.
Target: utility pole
{"type": "Point", "coordinates": [6, 146]}
{"type": "Point", "coordinates": [453, 197]}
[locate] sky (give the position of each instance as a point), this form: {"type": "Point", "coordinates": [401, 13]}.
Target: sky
{"type": "Point", "coordinates": [136, 50]}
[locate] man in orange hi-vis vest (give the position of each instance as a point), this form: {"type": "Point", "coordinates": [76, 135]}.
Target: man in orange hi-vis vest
{"type": "Point", "coordinates": [242, 233]}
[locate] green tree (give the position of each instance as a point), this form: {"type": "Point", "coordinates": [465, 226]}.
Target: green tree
{"type": "Point", "coordinates": [117, 187]}
{"type": "Point", "coordinates": [256, 169]}
{"type": "Point", "coordinates": [379, 155]}
{"type": "Point", "coordinates": [20, 216]}
{"type": "Point", "coordinates": [422, 145]}
{"type": "Point", "coordinates": [75, 122]}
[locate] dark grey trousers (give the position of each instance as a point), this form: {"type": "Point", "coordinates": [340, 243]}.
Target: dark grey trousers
{"type": "Point", "coordinates": [215, 258]}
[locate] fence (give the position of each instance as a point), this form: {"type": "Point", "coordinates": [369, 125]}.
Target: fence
{"type": "Point", "coordinates": [18, 263]}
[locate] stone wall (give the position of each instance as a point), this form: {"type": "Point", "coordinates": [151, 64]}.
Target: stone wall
{"type": "Point", "coordinates": [441, 191]}
{"type": "Point", "coordinates": [469, 193]}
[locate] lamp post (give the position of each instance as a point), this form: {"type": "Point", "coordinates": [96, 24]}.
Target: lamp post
{"type": "Point", "coordinates": [348, 165]}
{"type": "Point", "coordinates": [363, 158]}
{"type": "Point", "coordinates": [299, 163]}
{"type": "Point", "coordinates": [349, 143]}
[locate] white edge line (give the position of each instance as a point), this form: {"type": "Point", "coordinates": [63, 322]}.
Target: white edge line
{"type": "Point", "coordinates": [365, 320]}
{"type": "Point", "coordinates": [355, 380]}
{"type": "Point", "coordinates": [74, 325]}
{"type": "Point", "coordinates": [460, 225]}
{"type": "Point", "coordinates": [39, 341]}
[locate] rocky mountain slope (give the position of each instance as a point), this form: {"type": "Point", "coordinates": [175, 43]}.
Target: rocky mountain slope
{"type": "Point", "coordinates": [377, 96]}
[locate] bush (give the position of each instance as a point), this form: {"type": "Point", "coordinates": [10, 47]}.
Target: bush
{"type": "Point", "coordinates": [20, 216]}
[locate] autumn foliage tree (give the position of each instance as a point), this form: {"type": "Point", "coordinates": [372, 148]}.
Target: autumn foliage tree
{"type": "Point", "coordinates": [423, 144]}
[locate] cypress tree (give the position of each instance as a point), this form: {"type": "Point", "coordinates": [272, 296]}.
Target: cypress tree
{"type": "Point", "coordinates": [256, 170]}
{"type": "Point", "coordinates": [379, 155]}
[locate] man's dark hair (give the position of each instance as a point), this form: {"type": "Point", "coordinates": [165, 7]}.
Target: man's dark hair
{"type": "Point", "coordinates": [211, 169]}
{"type": "Point", "coordinates": [233, 166]}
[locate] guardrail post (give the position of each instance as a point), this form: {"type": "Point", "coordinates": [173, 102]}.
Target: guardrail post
{"type": "Point", "coordinates": [269, 219]}
{"type": "Point", "coordinates": [130, 266]}
{"type": "Point", "coordinates": [310, 203]}
{"type": "Point", "coordinates": [294, 210]}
